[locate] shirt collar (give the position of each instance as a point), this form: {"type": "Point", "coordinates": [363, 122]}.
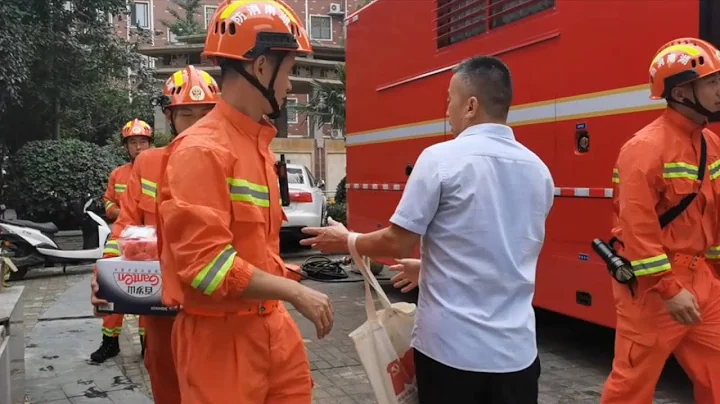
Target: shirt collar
{"type": "Point", "coordinates": [684, 124]}
{"type": "Point", "coordinates": [264, 131]}
{"type": "Point", "coordinates": [492, 129]}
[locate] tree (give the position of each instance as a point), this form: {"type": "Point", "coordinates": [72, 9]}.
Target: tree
{"type": "Point", "coordinates": [326, 104]}
{"type": "Point", "coordinates": [186, 24]}
{"type": "Point", "coordinates": [68, 71]}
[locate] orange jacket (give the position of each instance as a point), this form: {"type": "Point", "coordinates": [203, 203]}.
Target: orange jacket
{"type": "Point", "coordinates": [138, 200]}
{"type": "Point", "coordinates": [654, 171]}
{"type": "Point", "coordinates": [218, 211]}
{"type": "Point", "coordinates": [117, 183]}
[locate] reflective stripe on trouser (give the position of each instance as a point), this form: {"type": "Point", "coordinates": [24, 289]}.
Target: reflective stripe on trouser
{"type": "Point", "coordinates": [148, 187]}
{"type": "Point", "coordinates": [112, 325]}
{"type": "Point", "coordinates": [159, 360]}
{"type": "Point", "coordinates": [646, 335]}
{"type": "Point", "coordinates": [241, 359]}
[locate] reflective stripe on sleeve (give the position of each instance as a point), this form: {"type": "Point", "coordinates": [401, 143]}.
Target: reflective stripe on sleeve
{"type": "Point", "coordinates": [109, 204]}
{"type": "Point", "coordinates": [650, 266]}
{"type": "Point", "coordinates": [149, 188]}
{"type": "Point", "coordinates": [616, 176]}
{"type": "Point", "coordinates": [210, 276]}
{"type": "Point", "coordinates": [714, 170]}
{"type": "Point", "coordinates": [713, 253]}
{"type": "Point", "coordinates": [245, 191]}
{"type": "Point", "coordinates": [680, 170]}
{"type": "Point", "coordinates": [120, 188]}
{"type": "Point", "coordinates": [112, 248]}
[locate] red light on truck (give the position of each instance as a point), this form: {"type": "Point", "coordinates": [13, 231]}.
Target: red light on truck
{"type": "Point", "coordinates": [301, 197]}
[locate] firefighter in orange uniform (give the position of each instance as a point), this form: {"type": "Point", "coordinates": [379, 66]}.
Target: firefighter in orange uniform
{"type": "Point", "coordinates": [188, 95]}
{"type": "Point", "coordinates": [674, 305]}
{"type": "Point", "coordinates": [219, 219]}
{"type": "Point", "coordinates": [136, 137]}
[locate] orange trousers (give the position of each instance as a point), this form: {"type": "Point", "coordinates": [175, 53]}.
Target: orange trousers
{"type": "Point", "coordinates": [247, 358]}
{"type": "Point", "coordinates": [646, 335]}
{"type": "Point", "coordinates": [159, 359]}
{"type": "Point", "coordinates": [112, 325]}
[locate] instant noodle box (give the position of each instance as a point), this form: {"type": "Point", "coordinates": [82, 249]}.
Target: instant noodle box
{"type": "Point", "coordinates": [131, 287]}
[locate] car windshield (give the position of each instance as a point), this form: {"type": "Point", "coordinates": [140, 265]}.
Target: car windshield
{"type": "Point", "coordinates": [295, 176]}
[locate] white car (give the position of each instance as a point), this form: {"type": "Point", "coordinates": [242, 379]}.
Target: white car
{"type": "Point", "coordinates": [308, 204]}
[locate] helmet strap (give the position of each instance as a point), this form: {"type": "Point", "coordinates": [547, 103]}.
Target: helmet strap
{"type": "Point", "coordinates": [699, 108]}
{"type": "Point", "coordinates": [173, 131]}
{"type": "Point", "coordinates": [267, 92]}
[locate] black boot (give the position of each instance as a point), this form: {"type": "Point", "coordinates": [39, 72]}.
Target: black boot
{"type": "Point", "coordinates": [142, 346]}
{"type": "Point", "coordinates": [109, 349]}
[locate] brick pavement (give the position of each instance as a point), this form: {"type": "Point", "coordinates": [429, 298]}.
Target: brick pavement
{"type": "Point", "coordinates": [576, 357]}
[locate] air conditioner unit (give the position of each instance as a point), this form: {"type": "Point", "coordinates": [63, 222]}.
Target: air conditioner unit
{"type": "Point", "coordinates": [335, 9]}
{"type": "Point", "coordinates": [336, 134]}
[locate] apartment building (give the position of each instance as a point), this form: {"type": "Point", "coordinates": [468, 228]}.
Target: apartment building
{"type": "Point", "coordinates": [321, 149]}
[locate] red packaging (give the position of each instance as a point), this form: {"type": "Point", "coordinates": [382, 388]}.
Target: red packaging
{"type": "Point", "coordinates": [138, 243]}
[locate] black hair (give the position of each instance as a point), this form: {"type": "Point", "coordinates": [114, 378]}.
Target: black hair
{"type": "Point", "coordinates": [488, 79]}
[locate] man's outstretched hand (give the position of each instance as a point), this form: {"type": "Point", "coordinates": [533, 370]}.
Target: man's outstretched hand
{"type": "Point", "coordinates": [408, 274]}
{"type": "Point", "coordinates": [330, 239]}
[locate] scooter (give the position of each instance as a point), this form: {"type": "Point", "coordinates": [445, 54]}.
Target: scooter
{"type": "Point", "coordinates": [33, 244]}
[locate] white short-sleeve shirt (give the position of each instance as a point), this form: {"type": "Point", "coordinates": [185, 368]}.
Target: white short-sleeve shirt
{"type": "Point", "coordinates": [479, 202]}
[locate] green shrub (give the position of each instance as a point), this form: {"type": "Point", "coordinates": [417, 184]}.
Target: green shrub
{"type": "Point", "coordinates": [338, 212]}
{"type": "Point", "coordinates": [50, 179]}
{"type": "Point", "coordinates": [341, 192]}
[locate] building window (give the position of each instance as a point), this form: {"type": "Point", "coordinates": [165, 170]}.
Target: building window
{"type": "Point", "coordinates": [140, 14]}
{"type": "Point", "coordinates": [459, 20]}
{"type": "Point", "coordinates": [171, 38]}
{"type": "Point", "coordinates": [321, 27]}
{"type": "Point", "coordinates": [292, 114]}
{"type": "Point", "coordinates": [209, 12]}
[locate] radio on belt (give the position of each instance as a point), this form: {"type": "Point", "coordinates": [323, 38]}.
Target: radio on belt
{"type": "Point", "coordinates": [132, 283]}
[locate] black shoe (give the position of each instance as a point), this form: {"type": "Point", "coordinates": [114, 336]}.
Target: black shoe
{"type": "Point", "coordinates": [142, 346]}
{"type": "Point", "coordinates": [109, 349]}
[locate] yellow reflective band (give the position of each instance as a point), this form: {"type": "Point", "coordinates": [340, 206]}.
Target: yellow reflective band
{"type": "Point", "coordinates": [680, 170]}
{"type": "Point", "coordinates": [109, 204]}
{"type": "Point", "coordinates": [141, 331]}
{"type": "Point", "coordinates": [149, 188]}
{"type": "Point", "coordinates": [616, 176]}
{"type": "Point", "coordinates": [676, 48]}
{"type": "Point", "coordinates": [120, 188]}
{"type": "Point", "coordinates": [245, 191]}
{"type": "Point", "coordinates": [111, 332]}
{"type": "Point", "coordinates": [210, 276]}
{"type": "Point", "coordinates": [714, 170]}
{"type": "Point", "coordinates": [649, 266]}
{"type": "Point", "coordinates": [207, 77]}
{"type": "Point", "coordinates": [178, 78]}
{"type": "Point", "coordinates": [112, 248]}
{"type": "Point", "coordinates": [713, 253]}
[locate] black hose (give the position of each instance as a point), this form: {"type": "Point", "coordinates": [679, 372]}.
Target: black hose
{"type": "Point", "coordinates": [322, 269]}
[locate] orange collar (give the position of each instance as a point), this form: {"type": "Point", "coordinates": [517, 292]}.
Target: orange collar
{"type": "Point", "coordinates": [683, 123]}
{"type": "Point", "coordinates": [264, 131]}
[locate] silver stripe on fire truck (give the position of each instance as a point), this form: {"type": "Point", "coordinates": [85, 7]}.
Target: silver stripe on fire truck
{"type": "Point", "coordinates": [577, 108]}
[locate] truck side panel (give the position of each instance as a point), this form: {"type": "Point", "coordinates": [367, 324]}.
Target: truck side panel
{"type": "Point", "coordinates": [581, 66]}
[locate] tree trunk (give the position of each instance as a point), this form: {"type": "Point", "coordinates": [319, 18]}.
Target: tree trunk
{"type": "Point", "coordinates": [56, 120]}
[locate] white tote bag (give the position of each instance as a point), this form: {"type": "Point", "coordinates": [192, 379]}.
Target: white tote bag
{"type": "Point", "coordinates": [383, 341]}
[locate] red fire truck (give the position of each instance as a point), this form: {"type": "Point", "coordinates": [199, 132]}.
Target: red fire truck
{"type": "Point", "coordinates": [580, 74]}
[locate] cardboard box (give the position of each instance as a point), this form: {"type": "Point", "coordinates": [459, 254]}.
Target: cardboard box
{"type": "Point", "coordinates": [131, 287]}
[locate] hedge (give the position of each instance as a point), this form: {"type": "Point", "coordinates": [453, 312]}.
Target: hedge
{"type": "Point", "coordinates": [338, 211]}
{"type": "Point", "coordinates": [49, 179]}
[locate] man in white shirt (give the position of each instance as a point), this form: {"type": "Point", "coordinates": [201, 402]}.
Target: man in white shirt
{"type": "Point", "coordinates": [479, 202]}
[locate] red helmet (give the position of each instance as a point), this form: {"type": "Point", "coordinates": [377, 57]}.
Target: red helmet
{"type": "Point", "coordinates": [190, 86]}
{"type": "Point", "coordinates": [679, 62]}
{"type": "Point", "coordinates": [245, 29]}
{"type": "Point", "coordinates": [136, 127]}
